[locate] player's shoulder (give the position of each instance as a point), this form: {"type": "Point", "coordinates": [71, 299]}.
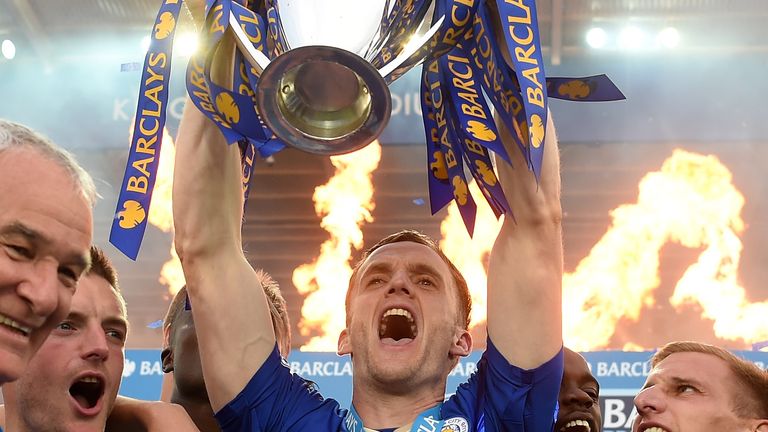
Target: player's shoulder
{"type": "Point", "coordinates": [132, 414]}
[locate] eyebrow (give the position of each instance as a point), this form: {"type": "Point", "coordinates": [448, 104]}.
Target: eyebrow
{"type": "Point", "coordinates": [109, 321]}
{"type": "Point", "coordinates": [20, 229]}
{"type": "Point", "coordinates": [32, 235]}
{"type": "Point", "coordinates": [418, 268]}
{"type": "Point", "coordinates": [682, 380]}
{"type": "Point", "coordinates": [380, 267]}
{"type": "Point", "coordinates": [116, 322]}
{"type": "Point", "coordinates": [676, 380]}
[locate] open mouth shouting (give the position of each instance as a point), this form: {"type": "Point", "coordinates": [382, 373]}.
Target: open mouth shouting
{"type": "Point", "coordinates": [86, 393]}
{"type": "Point", "coordinates": [397, 327]}
{"type": "Point", "coordinates": [580, 424]}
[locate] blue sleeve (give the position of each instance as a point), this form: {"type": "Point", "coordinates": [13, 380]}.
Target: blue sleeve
{"type": "Point", "coordinates": [277, 400]}
{"type": "Point", "coordinates": [502, 397]}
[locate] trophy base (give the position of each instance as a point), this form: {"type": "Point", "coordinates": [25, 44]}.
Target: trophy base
{"type": "Point", "coordinates": [323, 100]}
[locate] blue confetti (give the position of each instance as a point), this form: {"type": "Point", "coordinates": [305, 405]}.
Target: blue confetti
{"type": "Point", "coordinates": [419, 201]}
{"type": "Point", "coordinates": [759, 346]}
{"type": "Point", "coordinates": [130, 67]}
{"type": "Point", "coordinates": [155, 324]}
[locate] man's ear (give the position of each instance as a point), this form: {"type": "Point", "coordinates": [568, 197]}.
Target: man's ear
{"type": "Point", "coordinates": [462, 345]}
{"type": "Point", "coordinates": [343, 346]}
{"type": "Point", "coordinates": [760, 425]}
{"type": "Point", "coordinates": [166, 356]}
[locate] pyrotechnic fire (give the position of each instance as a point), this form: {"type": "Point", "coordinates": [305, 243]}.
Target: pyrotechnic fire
{"type": "Point", "coordinates": [345, 202]}
{"type": "Point", "coordinates": [690, 201]}
{"type": "Point", "coordinates": [161, 213]}
{"type": "Point", "coordinates": [470, 255]}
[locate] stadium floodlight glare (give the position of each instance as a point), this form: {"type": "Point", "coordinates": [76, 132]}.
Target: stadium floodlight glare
{"type": "Point", "coordinates": [145, 41]}
{"type": "Point", "coordinates": [596, 37]}
{"type": "Point", "coordinates": [631, 38]}
{"type": "Point", "coordinates": [185, 44]}
{"type": "Point", "coordinates": [669, 37]}
{"type": "Point", "coordinates": [8, 49]}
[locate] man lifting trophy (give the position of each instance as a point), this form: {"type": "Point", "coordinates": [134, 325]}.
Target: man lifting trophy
{"type": "Point", "coordinates": [313, 75]}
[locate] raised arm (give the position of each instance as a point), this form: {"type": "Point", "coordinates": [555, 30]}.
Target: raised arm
{"type": "Point", "coordinates": [230, 310]}
{"type": "Point", "coordinates": [526, 263]}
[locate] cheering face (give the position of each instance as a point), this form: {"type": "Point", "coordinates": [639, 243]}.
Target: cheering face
{"type": "Point", "coordinates": [579, 397]}
{"type": "Point", "coordinates": [45, 234]}
{"type": "Point", "coordinates": [688, 392]}
{"type": "Point", "coordinates": [73, 379]}
{"type": "Point", "coordinates": [404, 326]}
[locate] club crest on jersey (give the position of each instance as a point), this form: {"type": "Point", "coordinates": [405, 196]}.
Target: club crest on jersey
{"type": "Point", "coordinates": [455, 424]}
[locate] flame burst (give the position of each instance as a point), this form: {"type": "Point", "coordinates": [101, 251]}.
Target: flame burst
{"type": "Point", "coordinates": [345, 202]}
{"type": "Point", "coordinates": [691, 201]}
{"type": "Point", "coordinates": [470, 255]}
{"type": "Point", "coordinates": [161, 213]}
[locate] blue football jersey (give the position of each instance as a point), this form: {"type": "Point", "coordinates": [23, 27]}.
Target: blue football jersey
{"type": "Point", "coordinates": [497, 397]}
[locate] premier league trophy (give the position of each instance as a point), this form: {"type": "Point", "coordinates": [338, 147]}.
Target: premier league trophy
{"type": "Point", "coordinates": [313, 74]}
{"type": "Point", "coordinates": [325, 90]}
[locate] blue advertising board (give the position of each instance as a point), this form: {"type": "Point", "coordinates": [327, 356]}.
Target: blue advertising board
{"type": "Point", "coordinates": [619, 373]}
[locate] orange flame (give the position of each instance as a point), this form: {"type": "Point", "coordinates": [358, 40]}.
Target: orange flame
{"type": "Point", "coordinates": [470, 255]}
{"type": "Point", "coordinates": [690, 201]}
{"type": "Point", "coordinates": [345, 202]}
{"type": "Point", "coordinates": [161, 213]}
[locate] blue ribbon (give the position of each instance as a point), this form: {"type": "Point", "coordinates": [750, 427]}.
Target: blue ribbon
{"type": "Point", "coordinates": [276, 31]}
{"type": "Point", "coordinates": [471, 67]}
{"type": "Point", "coordinates": [499, 86]}
{"type": "Point", "coordinates": [440, 193]}
{"type": "Point", "coordinates": [521, 32]}
{"type": "Point", "coordinates": [133, 203]}
{"type": "Point", "coordinates": [464, 65]}
{"type": "Point", "coordinates": [231, 111]}
{"type": "Point", "coordinates": [450, 144]}
{"type": "Point", "coordinates": [404, 15]}
{"type": "Point", "coordinates": [597, 88]}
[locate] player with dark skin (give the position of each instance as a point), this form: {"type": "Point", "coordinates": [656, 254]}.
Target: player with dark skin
{"type": "Point", "coordinates": [181, 355]}
{"type": "Point", "coordinates": [579, 397]}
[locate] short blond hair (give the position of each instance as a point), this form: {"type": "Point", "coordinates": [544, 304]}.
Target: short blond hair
{"type": "Point", "coordinates": [277, 307]}
{"type": "Point", "coordinates": [750, 396]}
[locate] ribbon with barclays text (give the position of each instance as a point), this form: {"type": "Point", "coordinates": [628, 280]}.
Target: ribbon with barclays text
{"type": "Point", "coordinates": [130, 219]}
{"type": "Point", "coordinates": [465, 66]}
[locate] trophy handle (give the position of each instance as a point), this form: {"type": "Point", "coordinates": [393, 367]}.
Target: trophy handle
{"type": "Point", "coordinates": [254, 57]}
{"type": "Point", "coordinates": [414, 46]}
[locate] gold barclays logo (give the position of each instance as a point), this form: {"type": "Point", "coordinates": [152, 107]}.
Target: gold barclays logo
{"type": "Point", "coordinates": [132, 215]}
{"type": "Point", "coordinates": [164, 26]}
{"type": "Point", "coordinates": [574, 89]}
{"type": "Point", "coordinates": [226, 105]}
{"type": "Point", "coordinates": [480, 131]}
